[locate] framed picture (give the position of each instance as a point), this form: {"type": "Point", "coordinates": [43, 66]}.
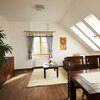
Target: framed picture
{"type": "Point", "coordinates": [62, 43]}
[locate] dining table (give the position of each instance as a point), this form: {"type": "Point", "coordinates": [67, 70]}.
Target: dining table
{"type": "Point", "coordinates": [88, 80]}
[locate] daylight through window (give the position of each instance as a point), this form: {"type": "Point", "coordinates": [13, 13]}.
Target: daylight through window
{"type": "Point", "coordinates": [83, 30]}
{"type": "Point", "coordinates": [40, 46]}
{"type": "Point", "coordinates": [84, 38]}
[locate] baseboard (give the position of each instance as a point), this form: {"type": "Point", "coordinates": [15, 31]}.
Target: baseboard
{"type": "Point", "coordinates": [23, 69]}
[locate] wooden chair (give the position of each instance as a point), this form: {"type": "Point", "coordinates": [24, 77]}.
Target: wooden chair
{"type": "Point", "coordinates": [92, 61]}
{"type": "Point", "coordinates": [73, 63]}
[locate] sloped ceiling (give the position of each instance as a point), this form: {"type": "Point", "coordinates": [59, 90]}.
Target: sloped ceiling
{"type": "Point", "coordinates": [65, 12]}
{"type": "Point", "coordinates": [79, 10]}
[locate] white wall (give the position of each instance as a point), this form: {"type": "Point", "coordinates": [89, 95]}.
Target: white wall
{"type": "Point", "coordinates": [4, 25]}
{"type": "Point", "coordinates": [19, 43]}
{"type": "Point", "coordinates": [73, 46]}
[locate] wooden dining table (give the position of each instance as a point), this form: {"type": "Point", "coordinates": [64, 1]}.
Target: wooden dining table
{"type": "Point", "coordinates": [88, 80]}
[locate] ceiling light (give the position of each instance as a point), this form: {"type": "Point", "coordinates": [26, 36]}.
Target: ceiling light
{"type": "Point", "coordinates": [39, 7]}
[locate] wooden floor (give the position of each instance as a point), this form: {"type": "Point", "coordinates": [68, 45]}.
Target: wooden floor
{"type": "Point", "coordinates": [16, 89]}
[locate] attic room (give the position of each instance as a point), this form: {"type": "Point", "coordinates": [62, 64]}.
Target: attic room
{"type": "Point", "coordinates": [76, 22]}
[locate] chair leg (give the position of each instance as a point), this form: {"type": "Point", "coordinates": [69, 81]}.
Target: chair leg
{"type": "Point", "coordinates": [68, 90]}
{"type": "Point", "coordinates": [84, 96]}
{"type": "Point", "coordinates": [68, 86]}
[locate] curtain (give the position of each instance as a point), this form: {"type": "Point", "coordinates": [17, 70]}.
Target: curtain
{"type": "Point", "coordinates": [30, 46]}
{"type": "Point", "coordinates": [49, 43]}
{"type": "Point", "coordinates": [32, 34]}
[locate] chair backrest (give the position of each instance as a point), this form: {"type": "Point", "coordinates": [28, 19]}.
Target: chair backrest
{"type": "Point", "coordinates": [92, 61]}
{"type": "Point", "coordinates": [72, 63]}
{"type": "Point", "coordinates": [75, 63]}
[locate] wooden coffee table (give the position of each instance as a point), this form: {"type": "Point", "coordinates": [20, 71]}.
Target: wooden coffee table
{"type": "Point", "coordinates": [55, 68]}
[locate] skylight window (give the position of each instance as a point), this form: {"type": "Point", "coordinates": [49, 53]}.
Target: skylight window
{"type": "Point", "coordinates": [88, 33]}
{"type": "Point", "coordinates": [93, 22]}
{"type": "Point", "coordinates": [84, 38]}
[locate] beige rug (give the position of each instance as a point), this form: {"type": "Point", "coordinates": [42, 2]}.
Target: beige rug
{"type": "Point", "coordinates": [37, 77]}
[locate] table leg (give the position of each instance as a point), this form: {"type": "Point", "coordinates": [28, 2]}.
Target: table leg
{"type": "Point", "coordinates": [57, 71]}
{"type": "Point", "coordinates": [72, 90]}
{"type": "Point", "coordinates": [44, 73]}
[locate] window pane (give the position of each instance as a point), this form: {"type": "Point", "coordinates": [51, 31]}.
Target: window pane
{"type": "Point", "coordinates": [44, 45]}
{"type": "Point", "coordinates": [36, 46]}
{"type": "Point", "coordinates": [43, 39]}
{"type": "Point", "coordinates": [40, 45]}
{"type": "Point", "coordinates": [36, 39]}
{"type": "Point", "coordinates": [88, 32]}
{"type": "Point", "coordinates": [93, 22]}
{"type": "Point", "coordinates": [84, 38]}
{"type": "Point", "coordinates": [44, 48]}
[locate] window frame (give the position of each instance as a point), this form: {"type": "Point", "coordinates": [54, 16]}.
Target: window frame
{"type": "Point", "coordinates": [84, 38]}
{"type": "Point", "coordinates": [40, 45]}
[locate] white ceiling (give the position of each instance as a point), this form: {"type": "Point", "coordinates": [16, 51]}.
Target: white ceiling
{"type": "Point", "coordinates": [65, 12]}
{"type": "Point", "coordinates": [21, 10]}
{"type": "Point", "coordinates": [79, 10]}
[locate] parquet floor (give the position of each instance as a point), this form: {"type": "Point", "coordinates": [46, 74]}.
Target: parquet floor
{"type": "Point", "coordinates": [16, 89]}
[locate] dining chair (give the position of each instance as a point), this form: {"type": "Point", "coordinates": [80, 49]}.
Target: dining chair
{"type": "Point", "coordinates": [73, 63]}
{"type": "Point", "coordinates": [92, 61]}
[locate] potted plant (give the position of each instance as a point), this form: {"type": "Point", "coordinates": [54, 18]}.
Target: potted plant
{"type": "Point", "coordinates": [4, 48]}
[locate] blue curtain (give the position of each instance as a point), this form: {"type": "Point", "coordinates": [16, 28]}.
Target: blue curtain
{"type": "Point", "coordinates": [49, 43]}
{"type": "Point", "coordinates": [30, 46]}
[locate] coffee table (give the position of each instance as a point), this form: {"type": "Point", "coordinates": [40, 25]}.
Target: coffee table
{"type": "Point", "coordinates": [55, 68]}
{"type": "Point", "coordinates": [47, 66]}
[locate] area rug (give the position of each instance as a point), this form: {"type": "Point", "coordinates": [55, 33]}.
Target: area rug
{"type": "Point", "coordinates": [37, 77]}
